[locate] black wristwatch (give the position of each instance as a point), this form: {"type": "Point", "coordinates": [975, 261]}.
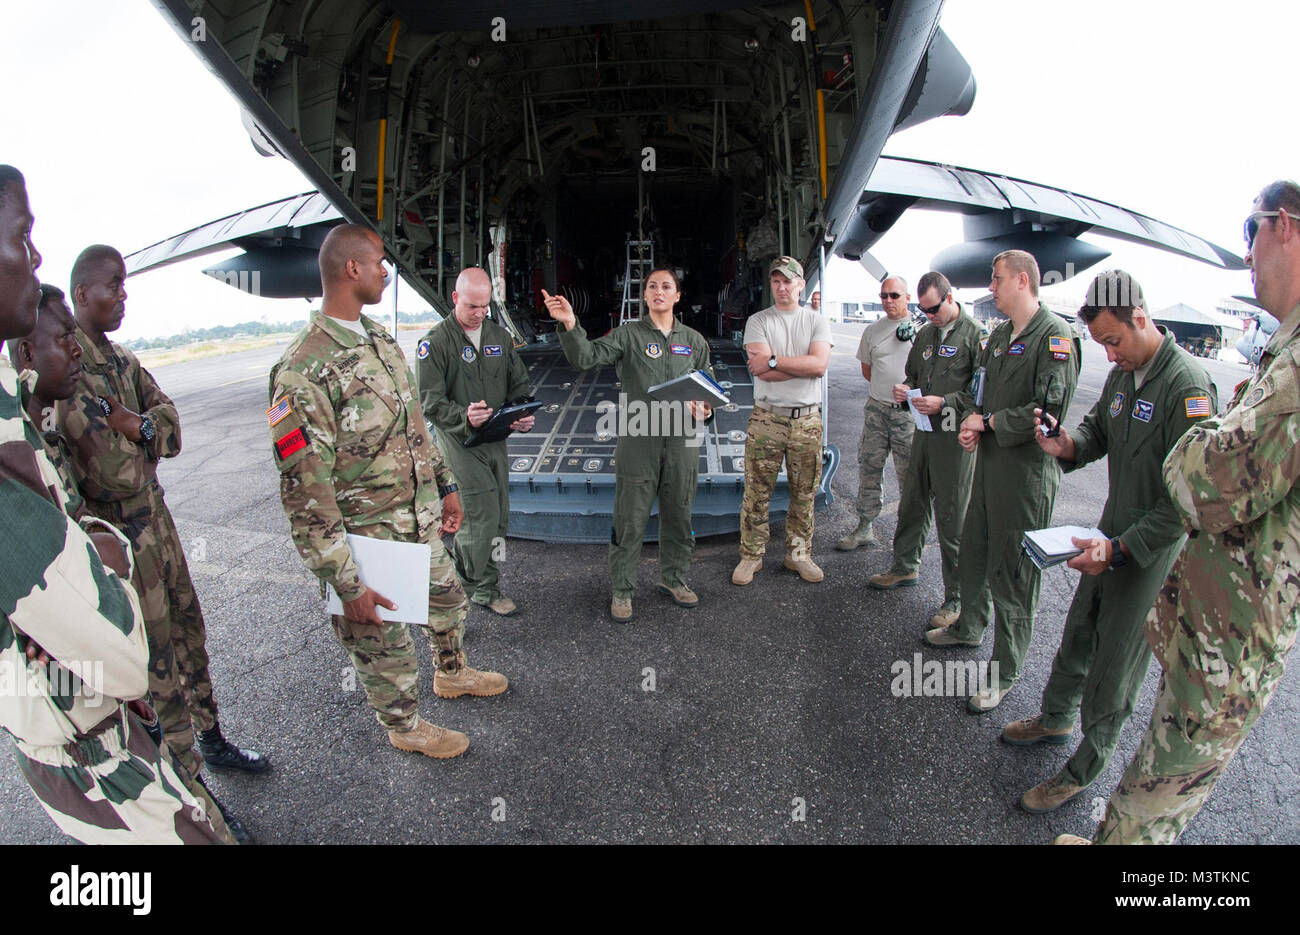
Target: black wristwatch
{"type": "Point", "coordinates": [987, 427]}
{"type": "Point", "coordinates": [1117, 557]}
{"type": "Point", "coordinates": [147, 431]}
{"type": "Point", "coordinates": [771, 363]}
{"type": "Point", "coordinates": [450, 488]}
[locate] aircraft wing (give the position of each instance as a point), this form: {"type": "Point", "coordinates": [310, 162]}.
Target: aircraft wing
{"type": "Point", "coordinates": [999, 208]}
{"type": "Point", "coordinates": [279, 220]}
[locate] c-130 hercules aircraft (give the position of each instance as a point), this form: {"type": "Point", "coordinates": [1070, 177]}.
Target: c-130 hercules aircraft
{"type": "Point", "coordinates": [568, 144]}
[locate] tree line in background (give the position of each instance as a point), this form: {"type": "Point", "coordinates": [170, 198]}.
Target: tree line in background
{"type": "Point", "coordinates": [249, 329]}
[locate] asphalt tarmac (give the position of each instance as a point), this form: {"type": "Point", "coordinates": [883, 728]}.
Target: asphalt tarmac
{"type": "Point", "coordinates": [771, 717]}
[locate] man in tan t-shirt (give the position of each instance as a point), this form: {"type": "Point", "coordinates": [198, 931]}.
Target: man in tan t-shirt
{"type": "Point", "coordinates": [886, 425]}
{"type": "Point", "coordinates": [788, 347]}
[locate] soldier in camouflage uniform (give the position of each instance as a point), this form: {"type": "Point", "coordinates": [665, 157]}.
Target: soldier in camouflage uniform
{"type": "Point", "coordinates": [119, 425]}
{"type": "Point", "coordinates": [467, 368]}
{"type": "Point", "coordinates": [355, 455]}
{"type": "Point", "coordinates": [52, 354]}
{"type": "Point", "coordinates": [661, 463]}
{"type": "Point", "coordinates": [73, 647]}
{"type": "Point", "coordinates": [887, 424]}
{"type": "Point", "coordinates": [787, 348]}
{"type": "Point", "coordinates": [1226, 617]}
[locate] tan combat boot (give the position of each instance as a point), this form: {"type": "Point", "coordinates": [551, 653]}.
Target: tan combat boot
{"type": "Point", "coordinates": [744, 572]}
{"type": "Point", "coordinates": [1049, 795]}
{"type": "Point", "coordinates": [426, 738]}
{"type": "Point", "coordinates": [682, 595]}
{"type": "Point", "coordinates": [889, 581]}
{"type": "Point", "coordinates": [946, 616]}
{"type": "Point", "coordinates": [803, 563]}
{"type": "Point", "coordinates": [467, 681]}
{"type": "Point", "coordinates": [620, 608]}
{"type": "Point", "coordinates": [1031, 731]}
{"type": "Point", "coordinates": [501, 605]}
{"type": "Point", "coordinates": [1070, 839]}
{"type": "Point", "coordinates": [859, 537]}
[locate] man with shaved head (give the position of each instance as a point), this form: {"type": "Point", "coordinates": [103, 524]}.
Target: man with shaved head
{"type": "Point", "coordinates": [355, 456]}
{"type": "Point", "coordinates": [467, 368]}
{"type": "Point", "coordinates": [71, 630]}
{"type": "Point", "coordinates": [119, 425]}
{"type": "Point", "coordinates": [886, 425]}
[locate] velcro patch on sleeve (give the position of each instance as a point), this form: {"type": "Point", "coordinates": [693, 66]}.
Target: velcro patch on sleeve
{"type": "Point", "coordinates": [276, 414]}
{"type": "Point", "coordinates": [1059, 348]}
{"type": "Point", "coordinates": [1196, 406]}
{"type": "Point", "coordinates": [288, 444]}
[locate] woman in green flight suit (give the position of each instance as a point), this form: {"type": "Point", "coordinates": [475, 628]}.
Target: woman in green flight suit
{"type": "Point", "coordinates": [651, 460]}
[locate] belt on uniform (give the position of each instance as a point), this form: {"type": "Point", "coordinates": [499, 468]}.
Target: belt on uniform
{"type": "Point", "coordinates": [876, 402]}
{"type": "Point", "coordinates": [790, 412]}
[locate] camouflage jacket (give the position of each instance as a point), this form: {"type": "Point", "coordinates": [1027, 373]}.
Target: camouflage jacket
{"type": "Point", "coordinates": [351, 446]}
{"type": "Point", "coordinates": [108, 466]}
{"type": "Point", "coordinates": [1227, 615]}
{"type": "Point", "coordinates": [56, 593]}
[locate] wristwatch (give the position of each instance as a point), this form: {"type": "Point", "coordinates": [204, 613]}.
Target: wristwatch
{"type": "Point", "coordinates": [771, 363]}
{"type": "Point", "coordinates": [147, 431]}
{"type": "Point", "coordinates": [1117, 557]}
{"type": "Point", "coordinates": [987, 427]}
{"type": "Point", "coordinates": [450, 488]}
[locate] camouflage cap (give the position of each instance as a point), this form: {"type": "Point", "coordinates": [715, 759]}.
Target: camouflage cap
{"type": "Point", "coordinates": [787, 266]}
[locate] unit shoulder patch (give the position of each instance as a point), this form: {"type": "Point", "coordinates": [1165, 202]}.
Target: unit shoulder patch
{"type": "Point", "coordinates": [422, 349]}
{"type": "Point", "coordinates": [286, 445]}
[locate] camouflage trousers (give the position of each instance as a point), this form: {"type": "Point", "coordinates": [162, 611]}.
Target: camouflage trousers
{"type": "Point", "coordinates": [885, 431]}
{"type": "Point", "coordinates": [1180, 759]}
{"type": "Point", "coordinates": [937, 481]}
{"type": "Point", "coordinates": [179, 682]}
{"type": "Point", "coordinates": [116, 786]}
{"type": "Point", "coordinates": [772, 438]}
{"type": "Point", "coordinates": [384, 655]}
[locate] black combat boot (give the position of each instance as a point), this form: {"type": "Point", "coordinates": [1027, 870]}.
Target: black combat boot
{"type": "Point", "coordinates": [237, 829]}
{"type": "Point", "coordinates": [220, 753]}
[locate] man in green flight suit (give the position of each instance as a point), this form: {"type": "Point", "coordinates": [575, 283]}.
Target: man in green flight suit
{"type": "Point", "coordinates": [1029, 358]}
{"type": "Point", "coordinates": [658, 453]}
{"type": "Point", "coordinates": [1155, 392]}
{"type": "Point", "coordinates": [1225, 619]}
{"type": "Point", "coordinates": [467, 368]}
{"type": "Point", "coordinates": [939, 470]}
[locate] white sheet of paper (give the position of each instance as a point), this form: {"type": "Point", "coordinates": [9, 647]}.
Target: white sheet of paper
{"type": "Point", "coordinates": [397, 570]}
{"type": "Point", "coordinates": [920, 418]}
{"type": "Point", "coordinates": [1055, 540]}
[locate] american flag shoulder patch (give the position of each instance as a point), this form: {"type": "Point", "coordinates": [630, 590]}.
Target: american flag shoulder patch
{"type": "Point", "coordinates": [276, 413]}
{"type": "Point", "coordinates": [1058, 345]}
{"type": "Point", "coordinates": [1197, 406]}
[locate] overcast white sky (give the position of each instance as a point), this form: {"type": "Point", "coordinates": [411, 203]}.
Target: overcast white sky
{"type": "Point", "coordinates": [1179, 110]}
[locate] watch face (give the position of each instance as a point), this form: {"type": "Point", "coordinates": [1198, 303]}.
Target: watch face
{"type": "Point", "coordinates": [771, 362]}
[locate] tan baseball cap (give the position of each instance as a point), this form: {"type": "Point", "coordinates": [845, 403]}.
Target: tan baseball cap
{"type": "Point", "coordinates": [787, 266]}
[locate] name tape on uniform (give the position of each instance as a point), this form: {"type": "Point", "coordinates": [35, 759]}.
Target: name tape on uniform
{"type": "Point", "coordinates": [681, 350]}
{"type": "Point", "coordinates": [288, 444]}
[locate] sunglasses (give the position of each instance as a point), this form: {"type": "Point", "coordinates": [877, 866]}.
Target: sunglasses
{"type": "Point", "coordinates": [933, 310]}
{"type": "Point", "coordinates": [1251, 227]}
{"type": "Point", "coordinates": [891, 295]}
